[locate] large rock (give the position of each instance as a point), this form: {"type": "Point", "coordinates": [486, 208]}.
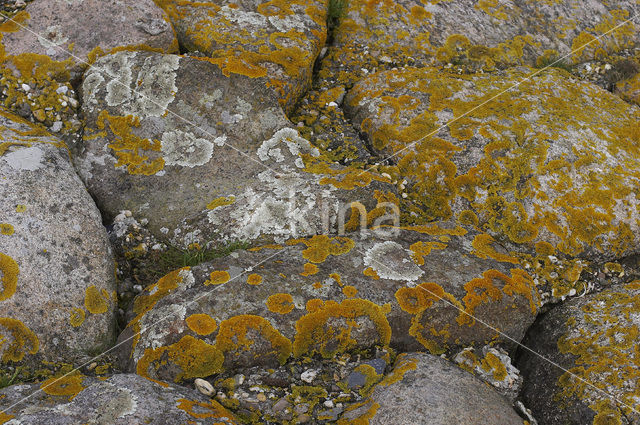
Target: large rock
{"type": "Point", "coordinates": [476, 34]}
{"type": "Point", "coordinates": [429, 288]}
{"type": "Point", "coordinates": [552, 163]}
{"type": "Point", "coordinates": [117, 400]}
{"type": "Point", "coordinates": [73, 32]}
{"type": "Point", "coordinates": [427, 390]}
{"type": "Point", "coordinates": [58, 287]}
{"type": "Point", "coordinates": [594, 339]}
{"type": "Point", "coordinates": [277, 42]}
{"type": "Point", "coordinates": [204, 158]}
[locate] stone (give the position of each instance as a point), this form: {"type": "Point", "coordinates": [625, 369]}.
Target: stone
{"type": "Point", "coordinates": [594, 340]}
{"type": "Point", "coordinates": [204, 159]}
{"type": "Point", "coordinates": [426, 389]}
{"type": "Point", "coordinates": [429, 288]}
{"type": "Point", "coordinates": [475, 35]}
{"type": "Point", "coordinates": [58, 299]}
{"type": "Point", "coordinates": [629, 89]}
{"type": "Point", "coordinates": [48, 34]}
{"type": "Point", "coordinates": [123, 399]}
{"type": "Point", "coordinates": [549, 166]}
{"type": "Point", "coordinates": [277, 44]}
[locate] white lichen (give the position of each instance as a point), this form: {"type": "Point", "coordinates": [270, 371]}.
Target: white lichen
{"type": "Point", "coordinates": [391, 261]}
{"type": "Point", "coordinates": [185, 149]}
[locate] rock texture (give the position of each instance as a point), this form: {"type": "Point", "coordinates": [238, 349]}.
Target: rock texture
{"type": "Point", "coordinates": [594, 340]}
{"type": "Point", "coordinates": [58, 296]}
{"type": "Point", "coordinates": [203, 158]}
{"type": "Point", "coordinates": [118, 400]}
{"type": "Point", "coordinates": [425, 389]}
{"type": "Point", "coordinates": [276, 42]}
{"type": "Point", "coordinates": [428, 288]}
{"type": "Point", "coordinates": [551, 162]}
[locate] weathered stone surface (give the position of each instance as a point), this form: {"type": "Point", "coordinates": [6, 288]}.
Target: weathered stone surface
{"type": "Point", "coordinates": [74, 31]}
{"type": "Point", "coordinates": [550, 165]}
{"type": "Point", "coordinates": [124, 399]}
{"type": "Point", "coordinates": [476, 34]}
{"type": "Point", "coordinates": [57, 296]}
{"type": "Point", "coordinates": [204, 158]}
{"type": "Point", "coordinates": [428, 288]}
{"type": "Point", "coordinates": [274, 41]}
{"type": "Point", "coordinates": [429, 390]}
{"type": "Point", "coordinates": [629, 89]}
{"type": "Point", "coordinates": [594, 339]}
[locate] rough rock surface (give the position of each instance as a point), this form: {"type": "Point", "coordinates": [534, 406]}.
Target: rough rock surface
{"type": "Point", "coordinates": [551, 163]}
{"type": "Point", "coordinates": [47, 30]}
{"type": "Point", "coordinates": [594, 339]}
{"type": "Point", "coordinates": [492, 34]}
{"type": "Point", "coordinates": [124, 399]}
{"type": "Point", "coordinates": [428, 288]}
{"type": "Point", "coordinates": [426, 389]}
{"type": "Point", "coordinates": [57, 296]}
{"type": "Point", "coordinates": [200, 157]}
{"type": "Point", "coordinates": [278, 41]}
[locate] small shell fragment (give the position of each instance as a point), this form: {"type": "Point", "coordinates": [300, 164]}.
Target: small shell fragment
{"type": "Point", "coordinates": [204, 386]}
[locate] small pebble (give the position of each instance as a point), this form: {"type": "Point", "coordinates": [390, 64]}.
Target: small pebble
{"type": "Point", "coordinates": [62, 90]}
{"type": "Point", "coordinates": [26, 87]}
{"type": "Point", "coordinates": [57, 126]}
{"type": "Point", "coordinates": [261, 397]}
{"type": "Point", "coordinates": [203, 386]}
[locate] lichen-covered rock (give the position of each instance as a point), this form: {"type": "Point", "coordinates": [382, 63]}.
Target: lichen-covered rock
{"type": "Point", "coordinates": [57, 296]}
{"type": "Point", "coordinates": [476, 34]}
{"type": "Point", "coordinates": [430, 287]}
{"type": "Point", "coordinates": [72, 33]}
{"type": "Point", "coordinates": [629, 89]}
{"type": "Point", "coordinates": [550, 165]}
{"type": "Point", "coordinates": [594, 339]}
{"type": "Point", "coordinates": [424, 389]}
{"type": "Point", "coordinates": [125, 399]}
{"type": "Point", "coordinates": [205, 157]}
{"type": "Point", "coordinates": [275, 41]}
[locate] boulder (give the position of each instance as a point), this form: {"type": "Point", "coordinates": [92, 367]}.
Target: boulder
{"type": "Point", "coordinates": [548, 164]}
{"type": "Point", "coordinates": [124, 399]}
{"type": "Point", "coordinates": [58, 297]}
{"type": "Point", "coordinates": [586, 367]}
{"type": "Point", "coordinates": [205, 158]}
{"type": "Point", "coordinates": [428, 288]}
{"type": "Point", "coordinates": [424, 389]}
{"type": "Point", "coordinates": [274, 42]}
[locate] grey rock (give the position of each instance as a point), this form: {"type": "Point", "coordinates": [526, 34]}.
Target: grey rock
{"type": "Point", "coordinates": [429, 390]}
{"type": "Point", "coordinates": [58, 288]}
{"type": "Point", "coordinates": [124, 399]}
{"type": "Point", "coordinates": [593, 339]}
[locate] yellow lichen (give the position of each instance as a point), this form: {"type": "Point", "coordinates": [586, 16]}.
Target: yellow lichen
{"type": "Point", "coordinates": [244, 334]}
{"type": "Point", "coordinates": [309, 269]}
{"type": "Point", "coordinates": [96, 301]}
{"type": "Point", "coordinates": [21, 340]}
{"type": "Point", "coordinates": [202, 410]}
{"type": "Point", "coordinates": [327, 330]}
{"type": "Point", "coordinates": [254, 279]}
{"type": "Point", "coordinates": [349, 291]}
{"type": "Point", "coordinates": [6, 229]}
{"type": "Point", "coordinates": [65, 386]}
{"type": "Point", "coordinates": [201, 323]}
{"type": "Point", "coordinates": [319, 247]}
{"type": "Point", "coordinates": [21, 208]}
{"type": "Point", "coordinates": [369, 272]}
{"type": "Point", "coordinates": [9, 272]}
{"type": "Point", "coordinates": [218, 277]}
{"type": "Point", "coordinates": [220, 202]}
{"type": "Point", "coordinates": [280, 303]}
{"type": "Point", "coordinates": [483, 246]}
{"type": "Point", "coordinates": [76, 317]}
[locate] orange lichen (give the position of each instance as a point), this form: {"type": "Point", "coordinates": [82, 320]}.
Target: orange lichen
{"type": "Point", "coordinates": [218, 277]}
{"type": "Point", "coordinates": [422, 249]}
{"type": "Point", "coordinates": [349, 291]}
{"type": "Point", "coordinates": [319, 247]}
{"type": "Point", "coordinates": [248, 333]}
{"type": "Point", "coordinates": [309, 269]}
{"type": "Point", "coordinates": [203, 410]}
{"type": "Point", "coordinates": [483, 245]}
{"type": "Point", "coordinates": [268, 246]}
{"type": "Point", "coordinates": [403, 365]}
{"type": "Point", "coordinates": [193, 357]}
{"type": "Point", "coordinates": [365, 417]}
{"type": "Point", "coordinates": [6, 229]}
{"type": "Point", "coordinates": [96, 301]}
{"type": "Point", "coordinates": [201, 323]}
{"type": "Point", "coordinates": [254, 279]}
{"type": "Point", "coordinates": [66, 386]}
{"type": "Point", "coordinates": [328, 329]}
{"type": "Point", "coordinates": [9, 272]}
{"type": "Point", "coordinates": [20, 341]}
{"type": "Point", "coordinates": [76, 317]}
{"type": "Point", "coordinates": [314, 305]}
{"type": "Point", "coordinates": [280, 303]}
{"type": "Point", "coordinates": [369, 272]}
{"type": "Point", "coordinates": [417, 299]}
